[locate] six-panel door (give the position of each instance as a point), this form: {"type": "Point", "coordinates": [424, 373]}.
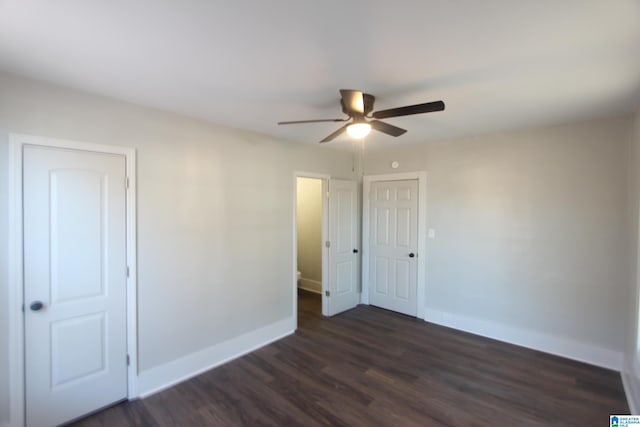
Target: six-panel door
{"type": "Point", "coordinates": [393, 244]}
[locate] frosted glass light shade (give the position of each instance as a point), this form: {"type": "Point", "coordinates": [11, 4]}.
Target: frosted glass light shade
{"type": "Point", "coordinates": [358, 130]}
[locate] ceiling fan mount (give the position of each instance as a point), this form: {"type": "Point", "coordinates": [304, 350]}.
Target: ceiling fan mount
{"type": "Point", "coordinates": [358, 106]}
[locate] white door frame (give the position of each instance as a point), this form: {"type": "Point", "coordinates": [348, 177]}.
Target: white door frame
{"type": "Point", "coordinates": [422, 223]}
{"type": "Point", "coordinates": [16, 273]}
{"type": "Point", "coordinates": [325, 237]}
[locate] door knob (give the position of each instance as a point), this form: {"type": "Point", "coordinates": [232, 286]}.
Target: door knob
{"type": "Point", "coordinates": [36, 306]}
{"type": "Point", "coordinates": [411, 255]}
{"type": "Point", "coordinates": [355, 251]}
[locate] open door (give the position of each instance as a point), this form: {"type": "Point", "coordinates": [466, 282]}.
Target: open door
{"type": "Point", "coordinates": [342, 291]}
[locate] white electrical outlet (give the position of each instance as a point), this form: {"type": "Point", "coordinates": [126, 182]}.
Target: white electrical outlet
{"type": "Point", "coordinates": [432, 233]}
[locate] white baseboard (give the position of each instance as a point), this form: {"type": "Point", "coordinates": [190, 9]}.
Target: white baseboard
{"type": "Point", "coordinates": [559, 346]}
{"type": "Point", "coordinates": [310, 285]}
{"type": "Point", "coordinates": [631, 384]}
{"type": "Point", "coordinates": [631, 391]}
{"type": "Point", "coordinates": [164, 376]}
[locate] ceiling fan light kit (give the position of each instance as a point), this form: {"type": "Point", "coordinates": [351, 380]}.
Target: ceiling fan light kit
{"type": "Point", "coordinates": [358, 130]}
{"type": "Point", "coordinates": [358, 106]}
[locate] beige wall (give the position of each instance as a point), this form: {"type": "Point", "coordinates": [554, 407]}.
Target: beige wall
{"type": "Point", "coordinates": [631, 373]}
{"type": "Point", "coordinates": [215, 217]}
{"type": "Point", "coordinates": [309, 223]}
{"type": "Point", "coordinates": [531, 234]}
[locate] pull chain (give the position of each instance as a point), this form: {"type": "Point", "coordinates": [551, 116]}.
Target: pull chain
{"type": "Point", "coordinates": [362, 160]}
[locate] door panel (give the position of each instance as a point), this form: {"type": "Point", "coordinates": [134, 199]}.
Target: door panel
{"type": "Point", "coordinates": [383, 219]}
{"type": "Point", "coordinates": [344, 278]}
{"type": "Point", "coordinates": [403, 279]}
{"type": "Point", "coordinates": [75, 265]}
{"type": "Point", "coordinates": [67, 366]}
{"type": "Point", "coordinates": [394, 236]}
{"type": "Point", "coordinates": [76, 247]}
{"type": "Point", "coordinates": [343, 235]}
{"type": "Point", "coordinates": [382, 275]}
{"type": "Point", "coordinates": [403, 227]}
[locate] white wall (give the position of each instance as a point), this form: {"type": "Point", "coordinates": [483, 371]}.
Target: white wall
{"type": "Point", "coordinates": [531, 242]}
{"type": "Point", "coordinates": [215, 221]}
{"type": "Point", "coordinates": [309, 232]}
{"type": "Point", "coordinates": [631, 373]}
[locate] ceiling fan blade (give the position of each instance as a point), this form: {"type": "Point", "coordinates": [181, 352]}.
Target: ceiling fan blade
{"type": "Point", "coordinates": [295, 122]}
{"type": "Point", "coordinates": [427, 107]}
{"type": "Point", "coordinates": [352, 101]}
{"type": "Point", "coordinates": [335, 134]}
{"type": "Point", "coordinates": [387, 128]}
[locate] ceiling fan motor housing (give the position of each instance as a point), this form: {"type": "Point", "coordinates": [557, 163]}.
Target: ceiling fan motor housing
{"type": "Point", "coordinates": [368, 101]}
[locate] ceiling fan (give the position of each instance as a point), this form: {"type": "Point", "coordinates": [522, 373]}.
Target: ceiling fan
{"type": "Point", "coordinates": [359, 106]}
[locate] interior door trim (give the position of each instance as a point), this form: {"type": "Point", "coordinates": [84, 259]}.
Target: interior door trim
{"type": "Point", "coordinates": [422, 223]}
{"type": "Point", "coordinates": [15, 267]}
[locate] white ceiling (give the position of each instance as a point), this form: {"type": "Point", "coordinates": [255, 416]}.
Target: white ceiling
{"type": "Point", "coordinates": [497, 64]}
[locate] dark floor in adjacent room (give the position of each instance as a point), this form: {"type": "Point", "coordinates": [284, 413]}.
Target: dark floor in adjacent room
{"type": "Point", "coordinates": [371, 367]}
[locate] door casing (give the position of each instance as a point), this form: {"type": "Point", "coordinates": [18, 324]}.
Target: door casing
{"type": "Point", "coordinates": [422, 223]}
{"type": "Point", "coordinates": [16, 273]}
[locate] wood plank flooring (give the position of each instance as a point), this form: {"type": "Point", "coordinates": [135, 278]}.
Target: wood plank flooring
{"type": "Point", "coordinates": [371, 367]}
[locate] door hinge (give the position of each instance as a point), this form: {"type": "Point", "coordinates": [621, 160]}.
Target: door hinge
{"type": "Point", "coordinates": [128, 360]}
{"type": "Point", "coordinates": [327, 244]}
{"type": "Point", "coordinates": [23, 308]}
{"type": "Point", "coordinates": [327, 194]}
{"type": "Point", "coordinates": [126, 182]}
{"type": "Point", "coordinates": [327, 293]}
{"type": "Point", "coordinates": [127, 271]}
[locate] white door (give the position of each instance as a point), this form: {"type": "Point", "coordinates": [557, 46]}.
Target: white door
{"type": "Point", "coordinates": [74, 283]}
{"type": "Point", "coordinates": [343, 247]}
{"type": "Point", "coordinates": [393, 240]}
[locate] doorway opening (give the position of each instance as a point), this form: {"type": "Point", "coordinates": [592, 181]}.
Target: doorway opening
{"type": "Point", "coordinates": [310, 228]}
{"type": "Point", "coordinates": [326, 245]}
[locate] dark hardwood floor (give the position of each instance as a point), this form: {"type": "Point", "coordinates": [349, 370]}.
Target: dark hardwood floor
{"type": "Point", "coordinates": [371, 367]}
